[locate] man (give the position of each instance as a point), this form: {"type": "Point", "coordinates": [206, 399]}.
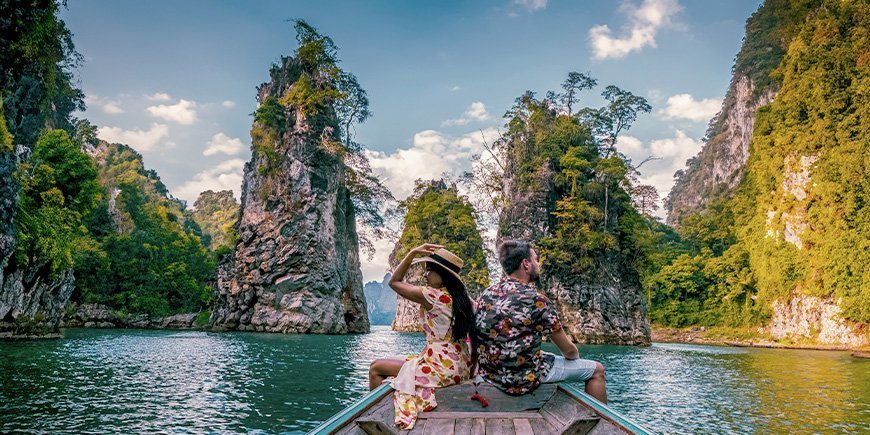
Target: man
{"type": "Point", "coordinates": [512, 318]}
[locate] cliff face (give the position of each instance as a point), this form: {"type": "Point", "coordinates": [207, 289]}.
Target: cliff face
{"type": "Point", "coordinates": [380, 301]}
{"type": "Point", "coordinates": [718, 168]}
{"type": "Point", "coordinates": [296, 265]}
{"type": "Point", "coordinates": [604, 306]}
{"type": "Point", "coordinates": [795, 200]}
{"type": "Point", "coordinates": [408, 315]}
{"type": "Point", "coordinates": [32, 300]}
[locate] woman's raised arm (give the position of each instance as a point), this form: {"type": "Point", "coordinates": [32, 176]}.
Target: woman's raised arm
{"type": "Point", "coordinates": [410, 292]}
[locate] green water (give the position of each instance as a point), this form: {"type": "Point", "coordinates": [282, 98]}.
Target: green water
{"type": "Point", "coordinates": [146, 381]}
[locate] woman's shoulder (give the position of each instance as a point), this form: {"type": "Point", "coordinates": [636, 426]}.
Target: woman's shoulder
{"type": "Point", "coordinates": [436, 295]}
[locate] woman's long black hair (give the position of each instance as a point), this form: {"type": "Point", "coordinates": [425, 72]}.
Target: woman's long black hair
{"type": "Point", "coordinates": [462, 325]}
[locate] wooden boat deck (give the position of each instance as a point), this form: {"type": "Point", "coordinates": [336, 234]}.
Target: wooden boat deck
{"type": "Point", "coordinates": [551, 409]}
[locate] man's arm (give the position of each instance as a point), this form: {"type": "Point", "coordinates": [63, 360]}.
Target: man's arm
{"type": "Point", "coordinates": [563, 342]}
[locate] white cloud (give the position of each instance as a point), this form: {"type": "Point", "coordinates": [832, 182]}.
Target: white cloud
{"type": "Point", "coordinates": [431, 155]}
{"type": "Point", "coordinates": [645, 21]}
{"type": "Point", "coordinates": [673, 153]}
{"type": "Point", "coordinates": [221, 143]}
{"type": "Point", "coordinates": [455, 88]}
{"type": "Point", "coordinates": [475, 112]}
{"type": "Point", "coordinates": [159, 96]}
{"type": "Point", "coordinates": [532, 5]}
{"type": "Point", "coordinates": [685, 106]}
{"type": "Point", "coordinates": [183, 112]}
{"type": "Point", "coordinates": [141, 140]}
{"type": "Point", "coordinates": [228, 104]}
{"type": "Point", "coordinates": [225, 176]}
{"type": "Point", "coordinates": [112, 108]}
{"type": "Point", "coordinates": [670, 153]}
{"type": "Point", "coordinates": [107, 106]}
{"type": "Point", "coordinates": [630, 146]}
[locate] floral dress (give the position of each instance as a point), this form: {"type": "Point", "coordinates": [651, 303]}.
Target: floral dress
{"type": "Point", "coordinates": [442, 362]}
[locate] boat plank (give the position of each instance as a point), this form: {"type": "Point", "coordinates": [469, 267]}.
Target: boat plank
{"type": "Point", "coordinates": [375, 428]}
{"type": "Point", "coordinates": [458, 398]}
{"type": "Point", "coordinates": [499, 426]}
{"type": "Point", "coordinates": [566, 409]}
{"type": "Point", "coordinates": [470, 426]}
{"type": "Point", "coordinates": [606, 428]}
{"type": "Point", "coordinates": [458, 415]}
{"type": "Point", "coordinates": [439, 426]}
{"type": "Point", "coordinates": [581, 426]}
{"type": "Point", "coordinates": [542, 426]}
{"type": "Point", "coordinates": [523, 427]}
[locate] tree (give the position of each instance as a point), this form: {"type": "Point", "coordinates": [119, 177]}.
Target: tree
{"type": "Point", "coordinates": [575, 83]}
{"type": "Point", "coordinates": [38, 56]}
{"type": "Point", "coordinates": [58, 188]}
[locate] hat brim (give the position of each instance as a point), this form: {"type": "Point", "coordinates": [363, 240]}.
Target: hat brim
{"type": "Point", "coordinates": [441, 266]}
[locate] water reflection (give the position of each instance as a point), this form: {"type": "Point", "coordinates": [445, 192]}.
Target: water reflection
{"type": "Point", "coordinates": [163, 381]}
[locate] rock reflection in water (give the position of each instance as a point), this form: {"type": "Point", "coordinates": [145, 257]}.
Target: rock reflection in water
{"type": "Point", "coordinates": [165, 381]}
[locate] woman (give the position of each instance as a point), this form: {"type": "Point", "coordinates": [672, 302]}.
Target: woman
{"type": "Point", "coordinates": [448, 319]}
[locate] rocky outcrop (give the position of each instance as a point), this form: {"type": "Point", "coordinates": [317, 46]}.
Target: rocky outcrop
{"type": "Point", "coordinates": [408, 316]}
{"type": "Point", "coordinates": [32, 299]}
{"type": "Point", "coordinates": [604, 306]}
{"type": "Point", "coordinates": [718, 168]}
{"type": "Point", "coordinates": [720, 165]}
{"type": "Point", "coordinates": [816, 320]}
{"type": "Point", "coordinates": [380, 301]}
{"type": "Point", "coordinates": [606, 309]}
{"type": "Point", "coordinates": [296, 265]}
{"type": "Point", "coordinates": [789, 210]}
{"type": "Point", "coordinates": [101, 316]}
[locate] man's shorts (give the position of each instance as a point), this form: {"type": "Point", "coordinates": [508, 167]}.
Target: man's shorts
{"type": "Point", "coordinates": [570, 370]}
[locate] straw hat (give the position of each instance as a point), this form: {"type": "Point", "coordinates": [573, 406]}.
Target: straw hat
{"type": "Point", "coordinates": [444, 258]}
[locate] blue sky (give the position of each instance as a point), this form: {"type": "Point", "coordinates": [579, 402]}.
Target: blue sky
{"type": "Point", "coordinates": [176, 80]}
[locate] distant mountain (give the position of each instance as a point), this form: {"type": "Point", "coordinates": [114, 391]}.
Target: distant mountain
{"type": "Point", "coordinates": [381, 301]}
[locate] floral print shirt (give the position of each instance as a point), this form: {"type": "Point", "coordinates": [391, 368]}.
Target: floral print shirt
{"type": "Point", "coordinates": [511, 320]}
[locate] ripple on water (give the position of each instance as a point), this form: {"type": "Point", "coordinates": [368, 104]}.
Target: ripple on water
{"type": "Point", "coordinates": [164, 381]}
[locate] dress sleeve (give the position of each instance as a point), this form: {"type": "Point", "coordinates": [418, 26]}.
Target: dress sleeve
{"type": "Point", "coordinates": [432, 295]}
{"type": "Point", "coordinates": [545, 317]}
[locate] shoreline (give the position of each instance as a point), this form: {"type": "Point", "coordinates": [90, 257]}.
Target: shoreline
{"type": "Point", "coordinates": [693, 335]}
{"type": "Point", "coordinates": [697, 335]}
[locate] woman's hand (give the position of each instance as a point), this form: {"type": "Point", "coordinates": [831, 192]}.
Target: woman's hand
{"type": "Point", "coordinates": [425, 249]}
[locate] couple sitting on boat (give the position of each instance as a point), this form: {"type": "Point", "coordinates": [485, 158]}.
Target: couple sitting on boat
{"type": "Point", "coordinates": [504, 327]}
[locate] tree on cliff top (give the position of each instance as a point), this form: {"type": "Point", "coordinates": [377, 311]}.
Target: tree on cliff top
{"type": "Point", "coordinates": [330, 99]}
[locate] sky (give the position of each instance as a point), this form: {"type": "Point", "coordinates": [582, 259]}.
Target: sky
{"type": "Point", "coordinates": [176, 80]}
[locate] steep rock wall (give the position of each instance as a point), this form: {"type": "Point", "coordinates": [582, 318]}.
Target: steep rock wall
{"type": "Point", "coordinates": [32, 300]}
{"type": "Point", "coordinates": [296, 265]}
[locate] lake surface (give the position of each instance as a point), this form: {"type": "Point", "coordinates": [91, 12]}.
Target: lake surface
{"type": "Point", "coordinates": [178, 381]}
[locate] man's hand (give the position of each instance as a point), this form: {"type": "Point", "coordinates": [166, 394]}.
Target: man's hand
{"type": "Point", "coordinates": [563, 342]}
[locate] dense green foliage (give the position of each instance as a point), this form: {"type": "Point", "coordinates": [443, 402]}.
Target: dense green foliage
{"type": "Point", "coordinates": [37, 55]}
{"type": "Point", "coordinates": [59, 188]}
{"type": "Point", "coordinates": [571, 157]}
{"type": "Point", "coordinates": [5, 136]}
{"type": "Point", "coordinates": [436, 213]}
{"type": "Point", "coordinates": [147, 254]}
{"type": "Point", "coordinates": [318, 96]}
{"type": "Point", "coordinates": [740, 260]}
{"type": "Point", "coordinates": [217, 213]}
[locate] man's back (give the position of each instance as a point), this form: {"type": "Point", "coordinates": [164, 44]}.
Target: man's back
{"type": "Point", "coordinates": [511, 319]}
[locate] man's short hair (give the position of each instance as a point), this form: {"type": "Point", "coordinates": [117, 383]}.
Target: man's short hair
{"type": "Point", "coordinates": [512, 252]}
